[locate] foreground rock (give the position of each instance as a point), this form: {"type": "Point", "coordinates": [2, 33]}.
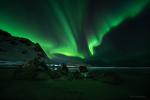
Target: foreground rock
{"type": "Point", "coordinates": [33, 69]}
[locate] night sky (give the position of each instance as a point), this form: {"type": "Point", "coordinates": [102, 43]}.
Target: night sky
{"type": "Point", "coordinates": [98, 30]}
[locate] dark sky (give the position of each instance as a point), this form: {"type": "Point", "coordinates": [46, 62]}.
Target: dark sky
{"type": "Point", "coordinates": [108, 31]}
{"type": "Point", "coordinates": [128, 44]}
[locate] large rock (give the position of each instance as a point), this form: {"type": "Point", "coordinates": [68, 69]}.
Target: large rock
{"type": "Point", "coordinates": [32, 69]}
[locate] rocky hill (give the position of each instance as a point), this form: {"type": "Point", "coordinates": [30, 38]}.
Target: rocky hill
{"type": "Point", "coordinates": [18, 49]}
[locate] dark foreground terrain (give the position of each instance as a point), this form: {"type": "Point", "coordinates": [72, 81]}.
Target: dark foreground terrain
{"type": "Point", "coordinates": [134, 86]}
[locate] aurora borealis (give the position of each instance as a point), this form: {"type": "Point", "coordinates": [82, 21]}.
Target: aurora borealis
{"type": "Point", "coordinates": [69, 27]}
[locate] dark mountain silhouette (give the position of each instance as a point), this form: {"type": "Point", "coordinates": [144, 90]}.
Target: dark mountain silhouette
{"type": "Point", "coordinates": [18, 49]}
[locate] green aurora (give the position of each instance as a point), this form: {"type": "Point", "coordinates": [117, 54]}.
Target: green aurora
{"type": "Point", "coordinates": [66, 27]}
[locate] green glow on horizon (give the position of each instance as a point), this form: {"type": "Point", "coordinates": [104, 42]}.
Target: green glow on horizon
{"type": "Point", "coordinates": [69, 47]}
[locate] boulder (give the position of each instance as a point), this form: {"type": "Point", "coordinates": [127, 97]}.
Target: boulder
{"type": "Point", "coordinates": [33, 69]}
